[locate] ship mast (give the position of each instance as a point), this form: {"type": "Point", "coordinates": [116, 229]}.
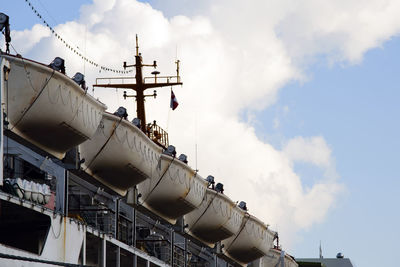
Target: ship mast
{"type": "Point", "coordinates": [140, 85]}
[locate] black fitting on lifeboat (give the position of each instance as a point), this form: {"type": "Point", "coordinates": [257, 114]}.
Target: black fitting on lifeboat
{"type": "Point", "coordinates": [219, 188]}
{"type": "Point", "coordinates": [210, 181]}
{"type": "Point", "coordinates": [137, 122]}
{"type": "Point", "coordinates": [79, 78]}
{"type": "Point", "coordinates": [243, 205]}
{"type": "Point", "coordinates": [121, 112]}
{"type": "Point", "coordinates": [5, 24]}
{"type": "Point", "coordinates": [58, 64]}
{"type": "Point", "coordinates": [170, 151]}
{"type": "Point", "coordinates": [183, 158]}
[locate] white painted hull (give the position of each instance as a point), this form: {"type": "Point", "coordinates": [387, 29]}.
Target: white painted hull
{"type": "Point", "coordinates": [253, 241]}
{"type": "Point", "coordinates": [63, 244]}
{"type": "Point", "coordinates": [119, 155]}
{"type": "Point", "coordinates": [273, 258]}
{"type": "Point", "coordinates": [48, 108]}
{"type": "Point", "coordinates": [217, 218]}
{"type": "Point", "coordinates": [173, 190]}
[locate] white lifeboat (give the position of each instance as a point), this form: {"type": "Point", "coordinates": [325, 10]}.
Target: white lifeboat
{"type": "Point", "coordinates": [48, 108]}
{"type": "Point", "coordinates": [253, 240]}
{"type": "Point", "coordinates": [274, 258]}
{"type": "Point", "coordinates": [173, 190]}
{"type": "Point", "coordinates": [217, 218]}
{"type": "Point", "coordinates": [119, 155]}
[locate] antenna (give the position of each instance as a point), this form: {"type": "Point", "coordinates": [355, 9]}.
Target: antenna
{"type": "Point", "coordinates": [195, 139]}
{"type": "Point", "coordinates": [195, 148]}
{"type": "Point", "coordinates": [137, 46]}
{"type": "Point", "coordinates": [320, 250]}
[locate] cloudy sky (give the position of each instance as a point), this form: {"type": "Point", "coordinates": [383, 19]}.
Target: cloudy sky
{"type": "Point", "coordinates": [291, 104]}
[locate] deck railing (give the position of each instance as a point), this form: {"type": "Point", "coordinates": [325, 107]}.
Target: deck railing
{"type": "Point", "coordinates": [157, 134]}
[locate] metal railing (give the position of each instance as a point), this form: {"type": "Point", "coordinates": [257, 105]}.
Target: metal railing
{"type": "Point", "coordinates": [157, 134]}
{"type": "Point", "coordinates": [115, 80]}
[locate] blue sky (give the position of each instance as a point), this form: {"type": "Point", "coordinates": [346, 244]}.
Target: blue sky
{"type": "Point", "coordinates": [352, 105]}
{"type": "Point", "coordinates": [356, 109]}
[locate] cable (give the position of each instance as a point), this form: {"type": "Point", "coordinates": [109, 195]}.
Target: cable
{"type": "Point", "coordinates": [56, 236]}
{"type": "Point", "coordinates": [159, 180]}
{"type": "Point", "coordinates": [209, 204]}
{"type": "Point", "coordinates": [241, 229]}
{"type": "Point", "coordinates": [33, 102]}
{"type": "Point", "coordinates": [74, 49]}
{"type": "Point", "coordinates": [104, 145]}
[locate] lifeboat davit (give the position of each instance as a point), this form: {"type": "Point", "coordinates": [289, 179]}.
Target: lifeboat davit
{"type": "Point", "coordinates": [48, 108]}
{"type": "Point", "coordinates": [274, 258]}
{"type": "Point", "coordinates": [252, 241]}
{"type": "Point", "coordinates": [217, 218]}
{"type": "Point", "coordinates": [173, 190]}
{"type": "Point", "coordinates": [119, 155]}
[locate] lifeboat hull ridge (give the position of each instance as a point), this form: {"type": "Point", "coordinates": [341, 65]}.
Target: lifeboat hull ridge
{"type": "Point", "coordinates": [273, 258]}
{"type": "Point", "coordinates": [47, 108]}
{"type": "Point", "coordinates": [217, 218]}
{"type": "Point", "coordinates": [253, 241]}
{"type": "Point", "coordinates": [173, 190]}
{"type": "Point", "coordinates": [119, 155]}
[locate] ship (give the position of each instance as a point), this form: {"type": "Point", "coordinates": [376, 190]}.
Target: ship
{"type": "Point", "coordinates": [82, 186]}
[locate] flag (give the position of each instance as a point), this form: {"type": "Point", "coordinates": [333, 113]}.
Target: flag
{"type": "Point", "coordinates": [174, 102]}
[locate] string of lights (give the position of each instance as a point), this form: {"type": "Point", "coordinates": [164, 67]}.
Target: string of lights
{"type": "Point", "coordinates": [72, 48]}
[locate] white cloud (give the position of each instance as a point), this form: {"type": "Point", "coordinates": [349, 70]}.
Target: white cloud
{"type": "Point", "coordinates": [235, 56]}
{"type": "Point", "coordinates": [312, 150]}
{"type": "Point", "coordinates": [29, 38]}
{"type": "Point", "coordinates": [343, 30]}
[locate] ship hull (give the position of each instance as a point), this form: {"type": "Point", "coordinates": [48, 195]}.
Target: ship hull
{"type": "Point", "coordinates": [273, 258]}
{"type": "Point", "coordinates": [47, 108]}
{"type": "Point", "coordinates": [119, 155]}
{"type": "Point", "coordinates": [217, 218]}
{"type": "Point", "coordinates": [173, 190]}
{"type": "Point", "coordinates": [252, 241]}
{"type": "Point", "coordinates": [31, 231]}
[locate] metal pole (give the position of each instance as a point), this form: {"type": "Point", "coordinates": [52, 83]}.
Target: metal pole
{"type": "Point", "coordinates": [84, 246]}
{"type": "Point", "coordinates": [118, 259]}
{"type": "Point", "coordinates": [185, 253]}
{"type": "Point", "coordinates": [134, 228]}
{"type": "Point", "coordinates": [172, 247]}
{"type": "Point", "coordinates": [66, 193]}
{"type": "Point", "coordinates": [116, 218]}
{"type": "Point", "coordinates": [103, 252]}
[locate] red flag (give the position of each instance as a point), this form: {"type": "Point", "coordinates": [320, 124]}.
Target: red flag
{"type": "Point", "coordinates": [174, 102]}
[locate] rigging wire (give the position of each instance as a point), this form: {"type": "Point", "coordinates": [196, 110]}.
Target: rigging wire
{"type": "Point", "coordinates": [34, 100]}
{"type": "Point", "coordinates": [105, 143]}
{"type": "Point", "coordinates": [48, 13]}
{"type": "Point", "coordinates": [204, 212]}
{"type": "Point", "coordinates": [76, 50]}
{"type": "Point", "coordinates": [161, 177]}
{"type": "Point", "coordinates": [247, 217]}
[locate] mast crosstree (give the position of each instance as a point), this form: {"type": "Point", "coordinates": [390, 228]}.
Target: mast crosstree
{"type": "Point", "coordinates": [140, 86]}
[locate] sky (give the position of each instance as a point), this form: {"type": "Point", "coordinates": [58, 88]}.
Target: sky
{"type": "Point", "coordinates": [291, 104]}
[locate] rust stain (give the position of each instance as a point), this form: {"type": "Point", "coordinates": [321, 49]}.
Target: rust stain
{"type": "Point", "coordinates": [186, 193]}
{"type": "Point", "coordinates": [113, 128]}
